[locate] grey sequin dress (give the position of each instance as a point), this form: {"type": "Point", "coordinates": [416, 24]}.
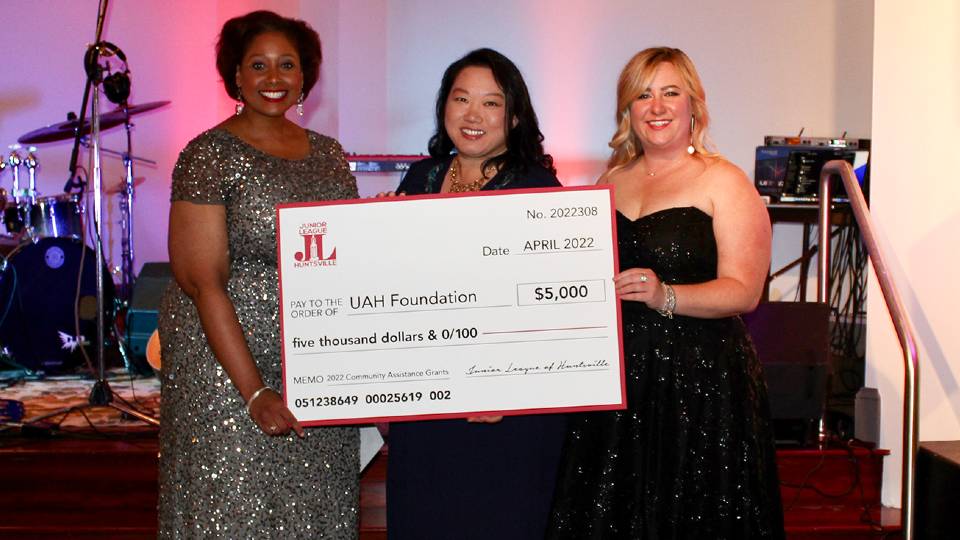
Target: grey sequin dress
{"type": "Point", "coordinates": [692, 456]}
{"type": "Point", "coordinates": [220, 476]}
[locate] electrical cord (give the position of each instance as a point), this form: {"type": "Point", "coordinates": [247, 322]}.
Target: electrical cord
{"type": "Point", "coordinates": [856, 482]}
{"type": "Point", "coordinates": [848, 281]}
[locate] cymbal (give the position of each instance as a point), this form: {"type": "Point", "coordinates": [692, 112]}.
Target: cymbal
{"type": "Point", "coordinates": [66, 130]}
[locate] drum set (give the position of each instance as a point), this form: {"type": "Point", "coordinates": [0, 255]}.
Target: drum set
{"type": "Point", "coordinates": [48, 283]}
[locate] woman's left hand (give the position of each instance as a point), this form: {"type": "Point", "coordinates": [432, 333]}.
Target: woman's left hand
{"type": "Point", "coordinates": [273, 417]}
{"type": "Point", "coordinates": [387, 195]}
{"type": "Point", "coordinates": [484, 419]}
{"type": "Point", "coordinates": [640, 285]}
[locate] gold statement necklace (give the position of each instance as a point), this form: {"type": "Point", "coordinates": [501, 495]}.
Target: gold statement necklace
{"type": "Point", "coordinates": [456, 186]}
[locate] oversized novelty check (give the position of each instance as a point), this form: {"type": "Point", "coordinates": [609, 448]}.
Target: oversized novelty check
{"type": "Point", "coordinates": [450, 306]}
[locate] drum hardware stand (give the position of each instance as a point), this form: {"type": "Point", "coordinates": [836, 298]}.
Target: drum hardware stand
{"type": "Point", "coordinates": [85, 141]}
{"type": "Point", "coordinates": [31, 163]}
{"type": "Point", "coordinates": [101, 395]}
{"type": "Point", "coordinates": [126, 218]}
{"type": "Point", "coordinates": [3, 198]}
{"type": "Point", "coordinates": [3, 192]}
{"type": "Point", "coordinates": [126, 198]}
{"type": "Point", "coordinates": [15, 160]}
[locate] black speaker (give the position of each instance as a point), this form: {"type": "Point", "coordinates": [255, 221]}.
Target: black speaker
{"type": "Point", "coordinates": [938, 475]}
{"type": "Point", "coordinates": [143, 314]}
{"type": "Point", "coordinates": [793, 342]}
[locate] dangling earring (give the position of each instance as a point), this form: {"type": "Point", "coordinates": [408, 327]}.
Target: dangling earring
{"type": "Point", "coordinates": [300, 105]}
{"type": "Point", "coordinates": [239, 106]}
{"type": "Point", "coordinates": [691, 149]}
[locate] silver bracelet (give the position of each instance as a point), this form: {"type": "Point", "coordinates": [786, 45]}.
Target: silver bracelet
{"type": "Point", "coordinates": [255, 395]}
{"type": "Point", "coordinates": [670, 303]}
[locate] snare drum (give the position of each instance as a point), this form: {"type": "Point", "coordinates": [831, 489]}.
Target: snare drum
{"type": "Point", "coordinates": [56, 217]}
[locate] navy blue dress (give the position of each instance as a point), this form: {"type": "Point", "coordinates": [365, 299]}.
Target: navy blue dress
{"type": "Point", "coordinates": [454, 479]}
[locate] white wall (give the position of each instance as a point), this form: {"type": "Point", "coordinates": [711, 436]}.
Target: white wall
{"type": "Point", "coordinates": [43, 43]}
{"type": "Point", "coordinates": [759, 79]}
{"type": "Point", "coordinates": [768, 68]}
{"type": "Point", "coordinates": [383, 61]}
{"type": "Point", "coordinates": [169, 46]}
{"type": "Point", "coordinates": [916, 202]}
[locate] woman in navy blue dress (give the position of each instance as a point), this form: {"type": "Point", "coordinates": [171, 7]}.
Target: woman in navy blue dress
{"type": "Point", "coordinates": [484, 477]}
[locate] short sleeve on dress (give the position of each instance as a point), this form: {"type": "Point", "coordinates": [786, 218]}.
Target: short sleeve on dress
{"type": "Point", "coordinates": [199, 175]}
{"type": "Point", "coordinates": [342, 183]}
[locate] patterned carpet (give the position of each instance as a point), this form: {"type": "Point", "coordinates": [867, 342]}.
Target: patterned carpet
{"type": "Point", "coordinates": [42, 397]}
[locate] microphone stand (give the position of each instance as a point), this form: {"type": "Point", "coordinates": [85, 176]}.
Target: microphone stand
{"type": "Point", "coordinates": [75, 151]}
{"type": "Point", "coordinates": [101, 395]}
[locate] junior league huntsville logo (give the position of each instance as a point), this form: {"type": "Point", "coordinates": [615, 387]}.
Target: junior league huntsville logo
{"type": "Point", "coordinates": [313, 253]}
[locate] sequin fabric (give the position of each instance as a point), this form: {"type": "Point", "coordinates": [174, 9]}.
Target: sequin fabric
{"type": "Point", "coordinates": [220, 476]}
{"type": "Point", "coordinates": [692, 456]}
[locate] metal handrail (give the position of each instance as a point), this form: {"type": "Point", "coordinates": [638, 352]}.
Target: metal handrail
{"type": "Point", "coordinates": [898, 316]}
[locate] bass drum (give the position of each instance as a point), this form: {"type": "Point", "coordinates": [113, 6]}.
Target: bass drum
{"type": "Point", "coordinates": [37, 291]}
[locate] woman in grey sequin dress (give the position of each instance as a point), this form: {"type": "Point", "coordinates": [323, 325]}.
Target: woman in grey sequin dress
{"type": "Point", "coordinates": [692, 456]}
{"type": "Point", "coordinates": [234, 461]}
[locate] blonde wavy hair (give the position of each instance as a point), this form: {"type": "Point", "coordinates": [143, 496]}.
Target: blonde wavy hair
{"type": "Point", "coordinates": [635, 79]}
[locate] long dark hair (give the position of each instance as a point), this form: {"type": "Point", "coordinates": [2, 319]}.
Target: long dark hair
{"type": "Point", "coordinates": [524, 140]}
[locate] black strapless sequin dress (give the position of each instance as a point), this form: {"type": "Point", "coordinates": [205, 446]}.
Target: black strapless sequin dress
{"type": "Point", "coordinates": [692, 456]}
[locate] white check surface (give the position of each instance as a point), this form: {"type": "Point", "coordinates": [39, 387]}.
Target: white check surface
{"type": "Point", "coordinates": [449, 307]}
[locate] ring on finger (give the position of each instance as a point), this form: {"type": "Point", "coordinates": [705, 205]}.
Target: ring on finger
{"type": "Point", "coordinates": [644, 278]}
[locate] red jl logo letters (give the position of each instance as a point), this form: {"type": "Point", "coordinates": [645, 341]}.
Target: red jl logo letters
{"type": "Point", "coordinates": [313, 249]}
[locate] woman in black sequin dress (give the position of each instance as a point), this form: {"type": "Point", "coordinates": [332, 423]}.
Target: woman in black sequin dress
{"type": "Point", "coordinates": [488, 478]}
{"type": "Point", "coordinates": [230, 463]}
{"type": "Point", "coordinates": [692, 457]}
